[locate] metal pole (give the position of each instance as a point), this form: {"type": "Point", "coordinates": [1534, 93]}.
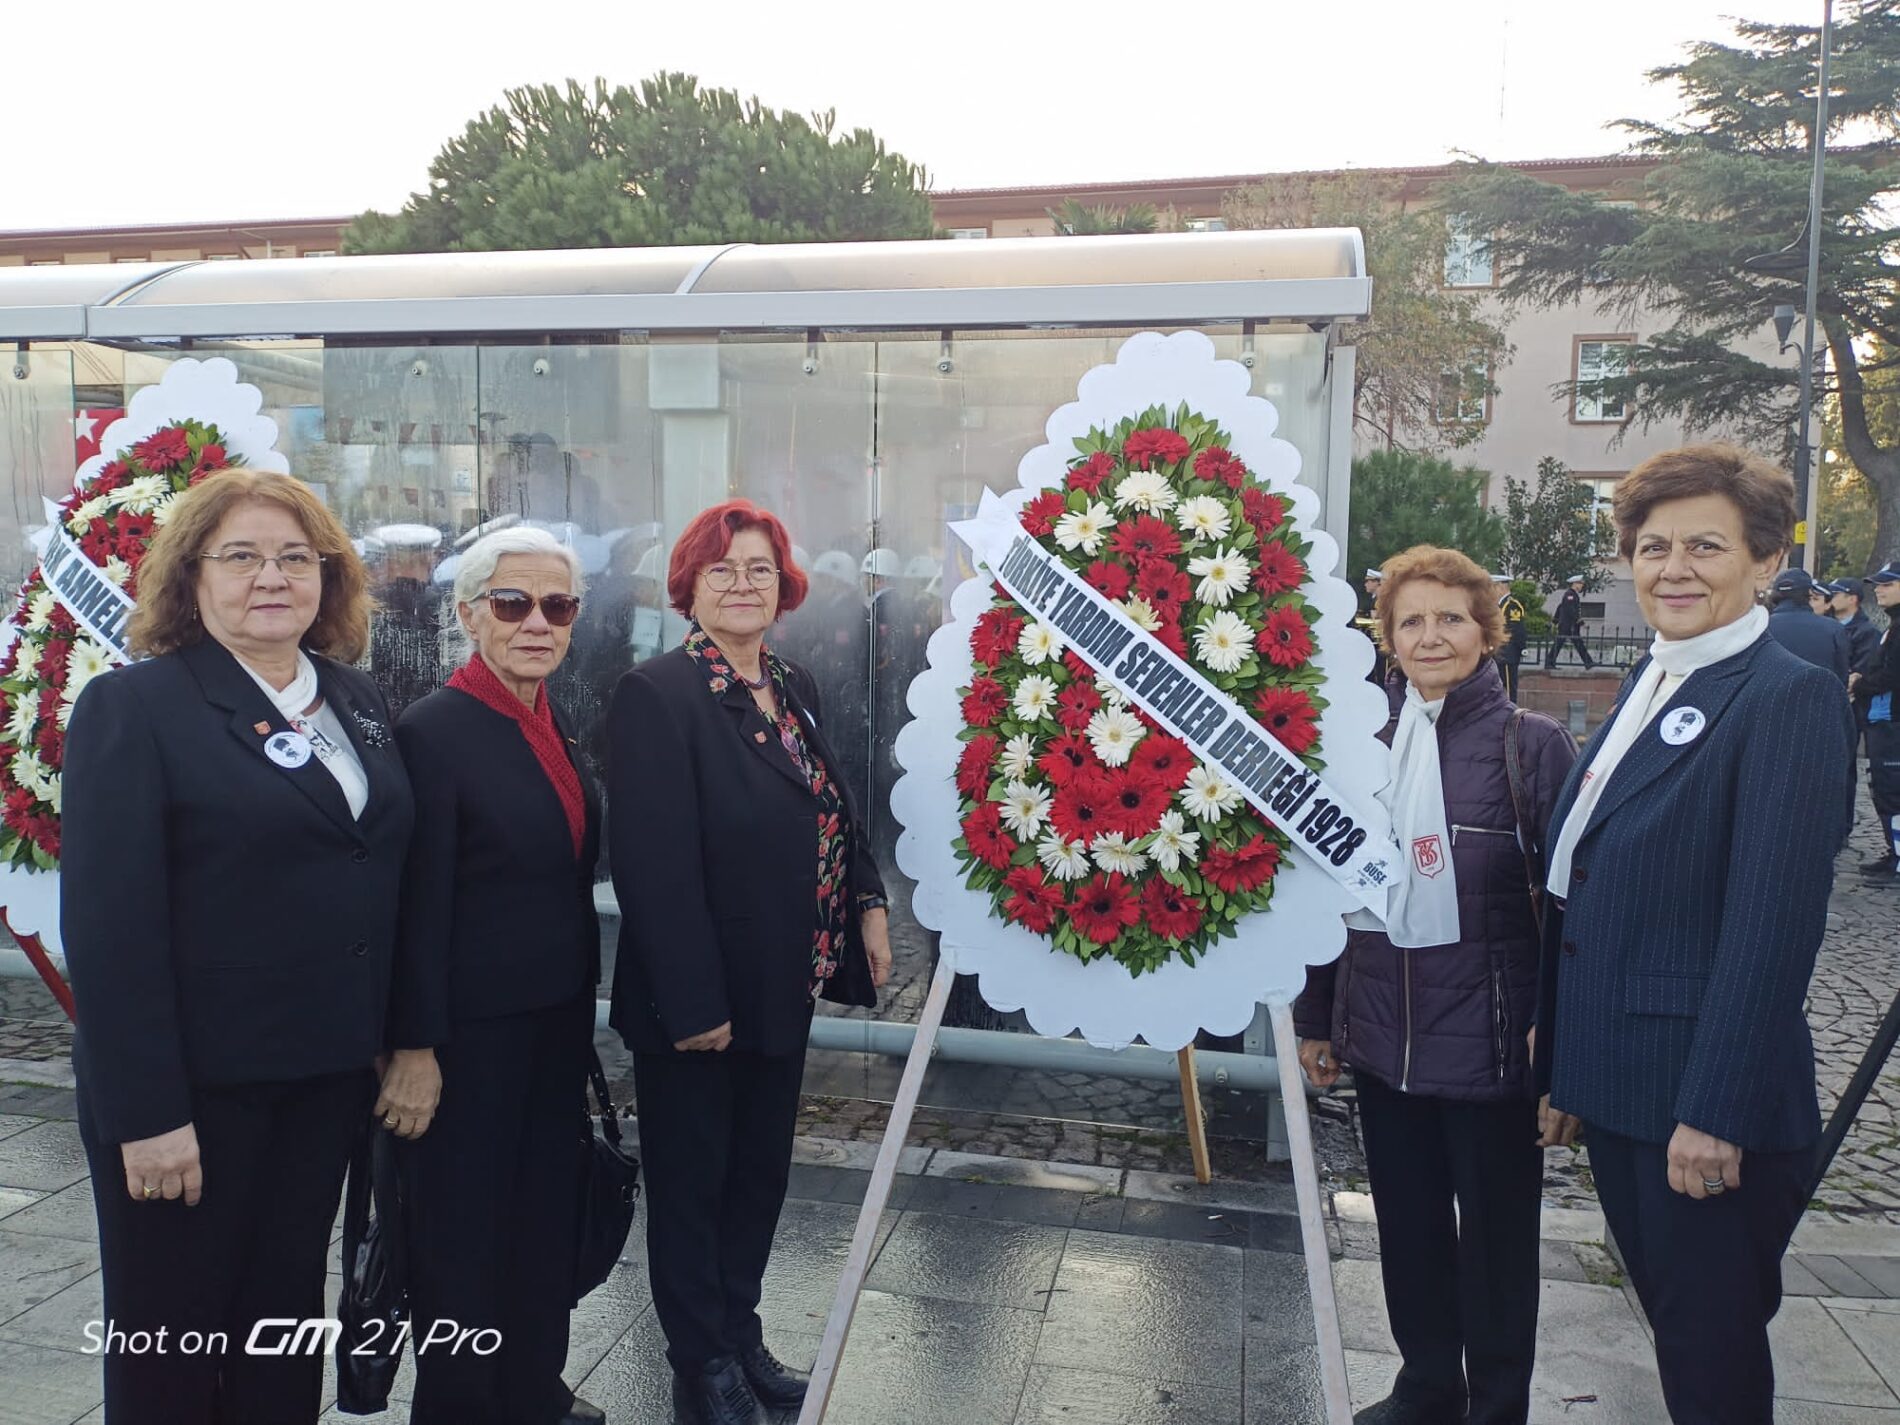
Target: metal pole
{"type": "Point", "coordinates": [1857, 1090]}
{"type": "Point", "coordinates": [1802, 453]}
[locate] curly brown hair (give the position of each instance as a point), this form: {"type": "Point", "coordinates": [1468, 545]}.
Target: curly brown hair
{"type": "Point", "coordinates": [167, 615]}
{"type": "Point", "coordinates": [1442, 566]}
{"type": "Point", "coordinates": [1761, 490]}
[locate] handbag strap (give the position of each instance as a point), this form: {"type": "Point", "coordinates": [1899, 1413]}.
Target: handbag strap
{"type": "Point", "coordinates": [1520, 805]}
{"type": "Point", "coordinates": [603, 1099]}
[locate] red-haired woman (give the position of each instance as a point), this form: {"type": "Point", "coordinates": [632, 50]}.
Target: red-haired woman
{"type": "Point", "coordinates": [746, 890]}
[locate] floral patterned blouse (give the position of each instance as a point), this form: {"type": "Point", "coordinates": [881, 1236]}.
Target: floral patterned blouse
{"type": "Point", "coordinates": [833, 908]}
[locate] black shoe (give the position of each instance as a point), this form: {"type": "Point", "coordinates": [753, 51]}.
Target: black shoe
{"type": "Point", "coordinates": [717, 1395]}
{"type": "Point", "coordinates": [1879, 866]}
{"type": "Point", "coordinates": [1394, 1410]}
{"type": "Point", "coordinates": [583, 1412]}
{"type": "Point", "coordinates": [775, 1384]}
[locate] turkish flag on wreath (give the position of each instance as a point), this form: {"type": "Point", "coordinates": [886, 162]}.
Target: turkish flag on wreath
{"type": "Point", "coordinates": [89, 428]}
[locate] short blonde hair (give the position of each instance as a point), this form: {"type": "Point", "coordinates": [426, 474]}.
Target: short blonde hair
{"type": "Point", "coordinates": [1441, 566]}
{"type": "Point", "coordinates": [167, 615]}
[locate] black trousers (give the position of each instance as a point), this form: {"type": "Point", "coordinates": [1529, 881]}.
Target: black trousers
{"type": "Point", "coordinates": [1457, 1188]}
{"type": "Point", "coordinates": [1507, 669]}
{"type": "Point", "coordinates": [492, 1208]}
{"type": "Point", "coordinates": [716, 1154]}
{"type": "Point", "coordinates": [1883, 778]}
{"type": "Point", "coordinates": [1708, 1272]}
{"type": "Point", "coordinates": [255, 1246]}
{"type": "Point", "coordinates": [1557, 647]}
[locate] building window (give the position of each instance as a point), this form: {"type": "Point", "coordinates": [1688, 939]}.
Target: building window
{"type": "Point", "coordinates": [1602, 495]}
{"type": "Point", "coordinates": [966, 233]}
{"type": "Point", "coordinates": [131, 259]}
{"type": "Point", "coordinates": [1601, 359]}
{"type": "Point", "coordinates": [1463, 397]}
{"type": "Point", "coordinates": [1204, 225]}
{"type": "Point", "coordinates": [1467, 255]}
{"type": "Point", "coordinates": [224, 257]}
{"type": "Point", "coordinates": [321, 252]}
{"type": "Point", "coordinates": [46, 262]}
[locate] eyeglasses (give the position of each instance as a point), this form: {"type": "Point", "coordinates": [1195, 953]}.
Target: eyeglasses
{"type": "Point", "coordinates": [248, 563]}
{"type": "Point", "coordinates": [723, 578]}
{"type": "Point", "coordinates": [514, 605]}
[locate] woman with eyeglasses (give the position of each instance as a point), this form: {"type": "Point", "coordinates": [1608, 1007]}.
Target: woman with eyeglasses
{"type": "Point", "coordinates": [493, 1014]}
{"type": "Point", "coordinates": [235, 818]}
{"type": "Point", "coordinates": [746, 890]}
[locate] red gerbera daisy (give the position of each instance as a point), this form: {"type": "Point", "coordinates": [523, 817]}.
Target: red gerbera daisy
{"type": "Point", "coordinates": [1076, 704]}
{"type": "Point", "coordinates": [984, 703]}
{"type": "Point", "coordinates": [1263, 511]}
{"type": "Point", "coordinates": [983, 833]}
{"type": "Point", "coordinates": [1279, 570]}
{"type": "Point", "coordinates": [1138, 798]}
{"type": "Point", "coordinates": [1289, 714]}
{"type": "Point", "coordinates": [162, 450]}
{"type": "Point", "coordinates": [1039, 516]}
{"type": "Point", "coordinates": [995, 636]}
{"type": "Point", "coordinates": [212, 457]}
{"type": "Point", "coordinates": [1084, 807]}
{"type": "Point", "coordinates": [1170, 637]}
{"type": "Point", "coordinates": [1217, 463]}
{"type": "Point", "coordinates": [1144, 538]}
{"type": "Point", "coordinates": [1104, 908]}
{"type": "Point", "coordinates": [1144, 447]}
{"type": "Point", "coordinates": [1164, 586]}
{"type": "Point", "coordinates": [1286, 639]}
{"type": "Point", "coordinates": [1169, 911]}
{"type": "Point", "coordinates": [1077, 665]}
{"type": "Point", "coordinates": [976, 765]}
{"type": "Point", "coordinates": [1091, 472]}
{"type": "Point", "coordinates": [1165, 759]}
{"type": "Point", "coordinates": [1067, 757]}
{"type": "Point", "coordinates": [1036, 901]}
{"type": "Point", "coordinates": [115, 474]}
{"type": "Point", "coordinates": [1245, 868]}
{"type": "Point", "coordinates": [1109, 578]}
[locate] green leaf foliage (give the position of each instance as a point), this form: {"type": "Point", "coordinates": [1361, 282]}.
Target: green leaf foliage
{"type": "Point", "coordinates": [1401, 498]}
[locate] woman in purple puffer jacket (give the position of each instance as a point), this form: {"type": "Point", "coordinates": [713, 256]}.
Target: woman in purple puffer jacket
{"type": "Point", "coordinates": [1436, 1036]}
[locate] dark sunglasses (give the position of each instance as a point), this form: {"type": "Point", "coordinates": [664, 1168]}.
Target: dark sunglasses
{"type": "Point", "coordinates": [514, 605]}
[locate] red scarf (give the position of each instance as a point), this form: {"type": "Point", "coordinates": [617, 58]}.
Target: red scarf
{"type": "Point", "coordinates": [478, 680]}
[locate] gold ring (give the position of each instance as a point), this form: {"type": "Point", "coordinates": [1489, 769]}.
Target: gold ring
{"type": "Point", "coordinates": [150, 1192]}
{"type": "Point", "coordinates": [389, 1120]}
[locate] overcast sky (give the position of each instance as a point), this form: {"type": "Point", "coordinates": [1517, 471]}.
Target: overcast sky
{"type": "Point", "coordinates": [119, 113]}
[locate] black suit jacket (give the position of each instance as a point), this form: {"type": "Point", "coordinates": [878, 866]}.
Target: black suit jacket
{"type": "Point", "coordinates": [1812, 637]}
{"type": "Point", "coordinates": [497, 912]}
{"type": "Point", "coordinates": [714, 848]}
{"type": "Point", "coordinates": [226, 920]}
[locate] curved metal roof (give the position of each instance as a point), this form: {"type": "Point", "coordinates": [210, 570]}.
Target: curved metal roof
{"type": "Point", "coordinates": [1314, 275]}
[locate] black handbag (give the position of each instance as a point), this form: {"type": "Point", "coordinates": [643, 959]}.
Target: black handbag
{"type": "Point", "coordinates": [610, 1188]}
{"type": "Point", "coordinates": [375, 1301]}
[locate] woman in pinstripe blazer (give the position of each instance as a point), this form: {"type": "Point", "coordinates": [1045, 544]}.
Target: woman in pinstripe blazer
{"type": "Point", "coordinates": [1692, 856]}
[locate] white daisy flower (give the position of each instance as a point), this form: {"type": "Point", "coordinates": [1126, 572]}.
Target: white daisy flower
{"type": "Point", "coordinates": [117, 570]}
{"type": "Point", "coordinates": [1204, 517]}
{"type": "Point", "coordinates": [1085, 529]}
{"type": "Point", "coordinates": [53, 792]}
{"type": "Point", "coordinates": [1111, 694]}
{"type": "Point", "coordinates": [1207, 795]}
{"type": "Point", "coordinates": [1035, 698]}
{"type": "Point", "coordinates": [1025, 808]}
{"type": "Point", "coordinates": [1145, 490]}
{"type": "Point", "coordinates": [1065, 860]}
{"type": "Point", "coordinates": [1224, 641]}
{"type": "Point", "coordinates": [1142, 612]}
{"type": "Point", "coordinates": [139, 495]}
{"type": "Point", "coordinates": [27, 663]}
{"type": "Point", "coordinates": [1113, 733]}
{"type": "Point", "coordinates": [1173, 843]}
{"type": "Point", "coordinates": [29, 771]}
{"type": "Point", "coordinates": [1113, 853]}
{"type": "Point", "coordinates": [25, 716]}
{"type": "Point", "coordinates": [1019, 756]}
{"type": "Point", "coordinates": [39, 611]}
{"type": "Point", "coordinates": [89, 510]}
{"type": "Point", "coordinates": [1039, 643]}
{"type": "Point", "coordinates": [162, 508]}
{"type": "Point", "coordinates": [88, 661]}
{"type": "Point", "coordinates": [1223, 574]}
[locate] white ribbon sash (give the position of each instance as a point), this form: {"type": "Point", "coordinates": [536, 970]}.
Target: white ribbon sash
{"type": "Point", "coordinates": [100, 606]}
{"type": "Point", "coordinates": [1297, 800]}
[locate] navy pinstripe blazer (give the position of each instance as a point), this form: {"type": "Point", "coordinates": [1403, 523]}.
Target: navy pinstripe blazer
{"type": "Point", "coordinates": [1675, 971]}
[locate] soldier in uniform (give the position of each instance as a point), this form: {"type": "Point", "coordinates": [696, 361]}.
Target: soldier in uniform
{"type": "Point", "coordinates": [1874, 693]}
{"type": "Point", "coordinates": [1368, 624]}
{"type": "Point", "coordinates": [1569, 621]}
{"type": "Point", "coordinates": [1511, 654]}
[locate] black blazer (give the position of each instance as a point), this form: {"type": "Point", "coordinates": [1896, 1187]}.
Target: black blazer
{"type": "Point", "coordinates": [714, 848]}
{"type": "Point", "coordinates": [226, 921]}
{"type": "Point", "coordinates": [497, 912]}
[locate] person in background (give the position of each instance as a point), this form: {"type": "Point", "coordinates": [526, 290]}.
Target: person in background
{"type": "Point", "coordinates": [1692, 857]}
{"type": "Point", "coordinates": [1820, 599]}
{"type": "Point", "coordinates": [1436, 1037]}
{"type": "Point", "coordinates": [1863, 639]}
{"type": "Point", "coordinates": [405, 640]}
{"type": "Point", "coordinates": [746, 891]}
{"type": "Point", "coordinates": [1569, 622]}
{"type": "Point", "coordinates": [1804, 633]}
{"type": "Point", "coordinates": [1874, 693]}
{"type": "Point", "coordinates": [493, 1010]}
{"type": "Point", "coordinates": [1367, 623]}
{"type": "Point", "coordinates": [236, 815]}
{"type": "Point", "coordinates": [1511, 655]}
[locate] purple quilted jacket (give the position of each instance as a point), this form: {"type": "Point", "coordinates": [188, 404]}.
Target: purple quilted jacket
{"type": "Point", "coordinates": [1449, 1021]}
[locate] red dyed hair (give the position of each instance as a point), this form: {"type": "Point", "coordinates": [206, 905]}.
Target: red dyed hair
{"type": "Point", "coordinates": [709, 535]}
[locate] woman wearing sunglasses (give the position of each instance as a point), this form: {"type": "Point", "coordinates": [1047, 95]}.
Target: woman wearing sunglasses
{"type": "Point", "coordinates": [746, 889]}
{"type": "Point", "coordinates": [493, 1009]}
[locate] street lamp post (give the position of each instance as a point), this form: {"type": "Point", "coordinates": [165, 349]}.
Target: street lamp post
{"type": "Point", "coordinates": [1802, 450]}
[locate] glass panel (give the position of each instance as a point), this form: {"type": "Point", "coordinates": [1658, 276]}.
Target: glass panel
{"type": "Point", "coordinates": [37, 450]}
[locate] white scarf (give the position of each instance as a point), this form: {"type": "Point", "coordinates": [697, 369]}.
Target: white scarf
{"type": "Point", "coordinates": [1671, 661]}
{"type": "Point", "coordinates": [321, 728]}
{"type": "Point", "coordinates": [1423, 908]}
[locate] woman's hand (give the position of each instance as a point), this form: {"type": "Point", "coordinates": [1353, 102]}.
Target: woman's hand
{"type": "Point", "coordinates": [1320, 1063]}
{"type": "Point", "coordinates": [713, 1040]}
{"type": "Point", "coordinates": [1555, 1128]}
{"type": "Point", "coordinates": [1697, 1159]}
{"type": "Point", "coordinates": [164, 1167]}
{"type": "Point", "coordinates": [874, 929]}
{"type": "Point", "coordinates": [412, 1087]}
